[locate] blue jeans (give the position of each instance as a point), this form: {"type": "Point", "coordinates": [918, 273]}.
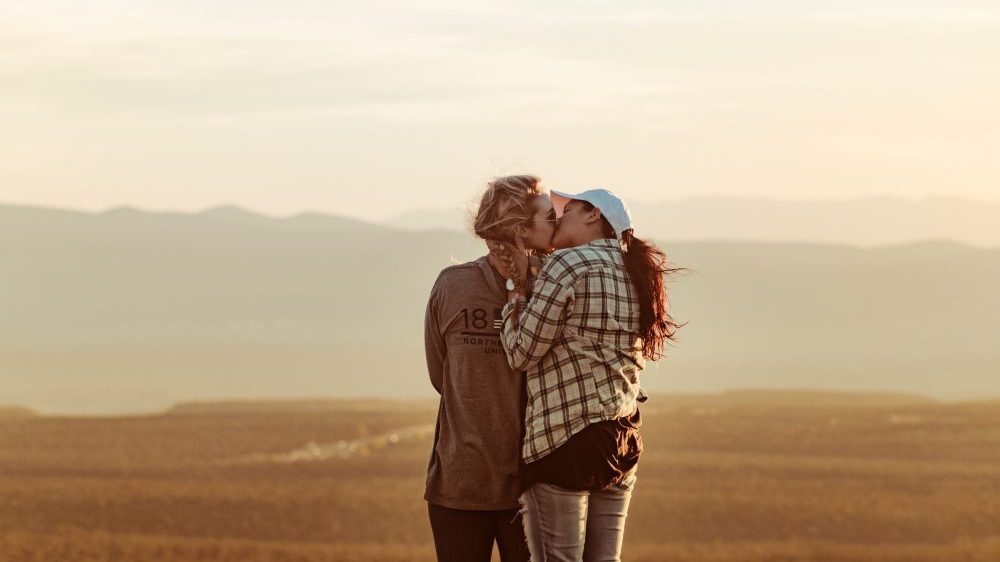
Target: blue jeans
{"type": "Point", "coordinates": [564, 525]}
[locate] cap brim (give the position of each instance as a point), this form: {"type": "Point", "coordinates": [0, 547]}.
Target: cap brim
{"type": "Point", "coordinates": [559, 200]}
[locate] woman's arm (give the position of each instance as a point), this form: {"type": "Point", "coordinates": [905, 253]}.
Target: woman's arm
{"type": "Point", "coordinates": [434, 343]}
{"type": "Point", "coordinates": [528, 337]}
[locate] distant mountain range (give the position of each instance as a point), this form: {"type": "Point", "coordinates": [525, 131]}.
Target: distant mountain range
{"type": "Point", "coordinates": [862, 222]}
{"type": "Point", "coordinates": [129, 310]}
{"type": "Point", "coordinates": [22, 216]}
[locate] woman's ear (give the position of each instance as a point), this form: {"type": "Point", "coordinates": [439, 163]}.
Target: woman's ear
{"type": "Point", "coordinates": [593, 215]}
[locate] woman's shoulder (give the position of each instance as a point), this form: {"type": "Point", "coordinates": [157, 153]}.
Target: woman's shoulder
{"type": "Point", "coordinates": [460, 275]}
{"type": "Point", "coordinates": [458, 269]}
{"type": "Point", "coordinates": [556, 264]}
{"type": "Point", "coordinates": [569, 263]}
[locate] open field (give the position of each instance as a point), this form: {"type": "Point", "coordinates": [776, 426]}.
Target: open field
{"type": "Point", "coordinates": [752, 476]}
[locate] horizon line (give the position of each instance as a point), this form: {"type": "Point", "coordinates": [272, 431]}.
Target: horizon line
{"type": "Point", "coordinates": [313, 211]}
{"type": "Point", "coordinates": [30, 411]}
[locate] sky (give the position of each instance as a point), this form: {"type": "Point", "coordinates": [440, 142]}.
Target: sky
{"type": "Point", "coordinates": [372, 109]}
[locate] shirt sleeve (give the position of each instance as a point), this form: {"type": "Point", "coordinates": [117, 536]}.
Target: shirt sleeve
{"type": "Point", "coordinates": [434, 342]}
{"type": "Point", "coordinates": [539, 324]}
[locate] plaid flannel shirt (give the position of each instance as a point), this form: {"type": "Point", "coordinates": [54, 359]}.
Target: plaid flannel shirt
{"type": "Point", "coordinates": [578, 340]}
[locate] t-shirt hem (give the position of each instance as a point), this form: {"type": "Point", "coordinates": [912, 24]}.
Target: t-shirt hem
{"type": "Point", "coordinates": [471, 506]}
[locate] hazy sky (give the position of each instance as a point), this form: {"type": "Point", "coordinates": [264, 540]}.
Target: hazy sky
{"type": "Point", "coordinates": [371, 108]}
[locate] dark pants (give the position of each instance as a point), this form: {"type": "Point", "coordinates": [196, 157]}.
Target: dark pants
{"type": "Point", "coordinates": [467, 536]}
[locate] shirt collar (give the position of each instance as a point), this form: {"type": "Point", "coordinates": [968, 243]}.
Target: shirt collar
{"type": "Point", "coordinates": [603, 243]}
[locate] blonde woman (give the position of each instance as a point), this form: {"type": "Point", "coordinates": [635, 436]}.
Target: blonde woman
{"type": "Point", "coordinates": [473, 477]}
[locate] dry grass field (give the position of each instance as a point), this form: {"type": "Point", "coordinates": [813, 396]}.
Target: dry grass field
{"type": "Point", "coordinates": [751, 476]}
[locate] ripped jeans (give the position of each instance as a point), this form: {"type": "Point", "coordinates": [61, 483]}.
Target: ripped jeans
{"type": "Point", "coordinates": [564, 525]}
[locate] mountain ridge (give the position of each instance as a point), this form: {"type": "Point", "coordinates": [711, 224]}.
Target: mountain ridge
{"type": "Point", "coordinates": [109, 314]}
{"type": "Point", "coordinates": [870, 221]}
{"type": "Point", "coordinates": [691, 219]}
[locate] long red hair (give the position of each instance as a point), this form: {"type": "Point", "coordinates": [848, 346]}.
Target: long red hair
{"type": "Point", "coordinates": [647, 266]}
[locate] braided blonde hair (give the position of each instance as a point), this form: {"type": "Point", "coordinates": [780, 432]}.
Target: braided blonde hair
{"type": "Point", "coordinates": [506, 204]}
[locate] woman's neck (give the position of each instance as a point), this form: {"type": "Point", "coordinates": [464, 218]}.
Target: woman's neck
{"type": "Point", "coordinates": [590, 236]}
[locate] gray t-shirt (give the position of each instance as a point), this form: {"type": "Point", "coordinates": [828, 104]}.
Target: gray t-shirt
{"type": "Point", "coordinates": [474, 461]}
